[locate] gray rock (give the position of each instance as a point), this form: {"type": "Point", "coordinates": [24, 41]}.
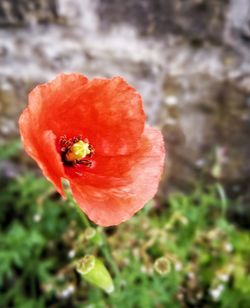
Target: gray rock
{"type": "Point", "coordinates": [237, 27]}
{"type": "Point", "coordinates": [196, 19]}
{"type": "Point", "coordinates": [23, 12]}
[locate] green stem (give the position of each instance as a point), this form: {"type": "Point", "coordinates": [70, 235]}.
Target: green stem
{"type": "Point", "coordinates": [83, 216]}
{"type": "Point", "coordinates": [80, 212]}
{"type": "Point", "coordinates": [107, 254]}
{"type": "Point", "coordinates": [222, 196]}
{"type": "Point", "coordinates": [104, 247]}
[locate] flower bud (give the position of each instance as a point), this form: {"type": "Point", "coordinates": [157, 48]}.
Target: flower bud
{"type": "Point", "coordinates": [89, 233]}
{"type": "Point", "coordinates": [162, 266]}
{"type": "Point", "coordinates": [94, 271]}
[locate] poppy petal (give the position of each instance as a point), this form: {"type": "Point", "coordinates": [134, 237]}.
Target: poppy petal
{"type": "Point", "coordinates": [43, 150]}
{"type": "Point", "coordinates": [108, 112]}
{"type": "Point", "coordinates": [50, 102]}
{"type": "Point", "coordinates": [112, 204]}
{"type": "Point", "coordinates": [111, 111]}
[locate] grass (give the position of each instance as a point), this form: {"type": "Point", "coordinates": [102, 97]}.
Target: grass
{"type": "Point", "coordinates": [42, 236]}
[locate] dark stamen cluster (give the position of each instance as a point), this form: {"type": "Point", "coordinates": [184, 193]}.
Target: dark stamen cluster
{"type": "Point", "coordinates": [65, 146]}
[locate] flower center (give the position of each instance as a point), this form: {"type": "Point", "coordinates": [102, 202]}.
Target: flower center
{"type": "Point", "coordinates": [76, 151]}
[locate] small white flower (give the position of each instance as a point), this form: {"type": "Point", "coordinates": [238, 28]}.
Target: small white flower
{"type": "Point", "coordinates": [67, 292]}
{"type": "Point", "coordinates": [171, 100]}
{"type": "Point", "coordinates": [178, 266]}
{"type": "Point", "coordinates": [228, 247]}
{"type": "Point", "coordinates": [37, 217]}
{"type": "Point", "coordinates": [71, 289]}
{"type": "Point", "coordinates": [191, 275]}
{"type": "Point", "coordinates": [71, 254]}
{"type": "Point", "coordinates": [143, 269]}
{"type": "Point", "coordinates": [126, 261]}
{"type": "Point", "coordinates": [224, 277]}
{"type": "Point", "coordinates": [199, 295]}
{"type": "Point", "coordinates": [216, 292]}
{"type": "Point", "coordinates": [200, 162]}
{"type": "Point", "coordinates": [136, 252]}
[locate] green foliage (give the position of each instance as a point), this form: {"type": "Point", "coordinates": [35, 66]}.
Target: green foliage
{"type": "Point", "coordinates": [9, 149]}
{"type": "Point", "coordinates": [42, 236]}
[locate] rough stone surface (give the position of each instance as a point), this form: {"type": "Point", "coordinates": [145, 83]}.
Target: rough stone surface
{"type": "Point", "coordinates": [197, 19]}
{"type": "Point", "coordinates": [23, 12]}
{"type": "Point", "coordinates": [237, 27]}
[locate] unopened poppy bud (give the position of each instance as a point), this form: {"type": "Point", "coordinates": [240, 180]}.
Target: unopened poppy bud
{"type": "Point", "coordinates": [89, 233]}
{"type": "Point", "coordinates": [162, 266]}
{"type": "Point", "coordinates": [94, 271]}
{"type": "Point", "coordinates": [78, 151]}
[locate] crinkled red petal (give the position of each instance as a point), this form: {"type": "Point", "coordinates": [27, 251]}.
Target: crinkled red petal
{"type": "Point", "coordinates": [106, 111]}
{"type": "Point", "coordinates": [41, 147]}
{"type": "Point", "coordinates": [111, 200]}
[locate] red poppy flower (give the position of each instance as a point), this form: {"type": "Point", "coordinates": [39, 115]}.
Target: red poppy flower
{"type": "Point", "coordinates": [93, 133]}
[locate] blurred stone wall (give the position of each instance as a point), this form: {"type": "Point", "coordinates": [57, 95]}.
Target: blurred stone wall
{"type": "Point", "coordinates": [21, 12]}
{"type": "Point", "coordinates": [206, 83]}
{"type": "Point", "coordinates": [190, 59]}
{"type": "Point", "coordinates": [196, 19]}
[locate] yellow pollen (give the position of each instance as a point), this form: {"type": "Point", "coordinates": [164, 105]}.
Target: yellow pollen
{"type": "Point", "coordinates": [78, 151]}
